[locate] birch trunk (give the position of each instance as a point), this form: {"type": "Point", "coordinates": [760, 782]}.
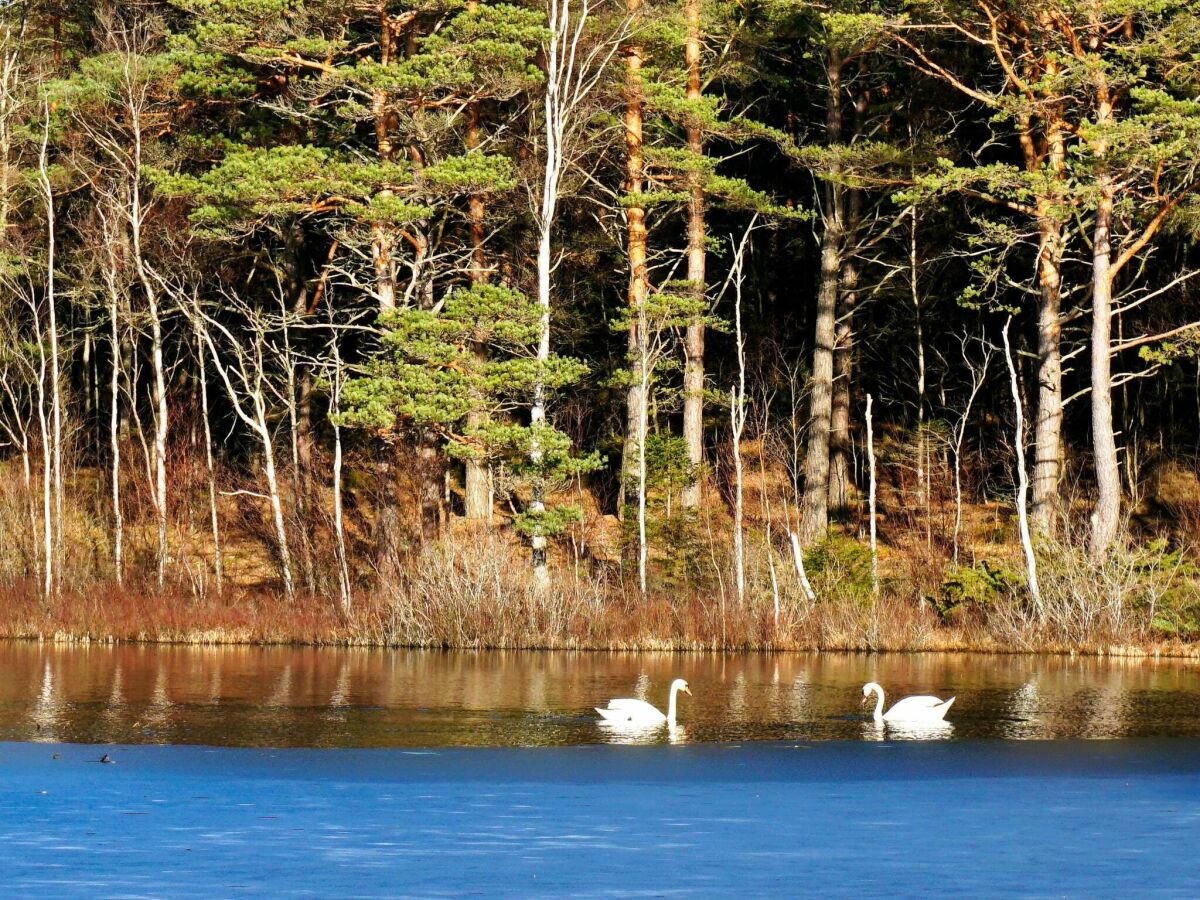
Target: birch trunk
{"type": "Point", "coordinates": [1106, 515]}
{"type": "Point", "coordinates": [209, 468]}
{"type": "Point", "coordinates": [635, 217]}
{"type": "Point", "coordinates": [1107, 512]}
{"type": "Point", "coordinates": [693, 368]}
{"type": "Point", "coordinates": [52, 325]}
{"type": "Point", "coordinates": [1022, 479]}
{"type": "Point", "coordinates": [114, 423]}
{"type": "Point", "coordinates": [339, 530]}
{"type": "Point", "coordinates": [871, 495]}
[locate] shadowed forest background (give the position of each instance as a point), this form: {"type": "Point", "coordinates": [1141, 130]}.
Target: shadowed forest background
{"type": "Point", "coordinates": [745, 324]}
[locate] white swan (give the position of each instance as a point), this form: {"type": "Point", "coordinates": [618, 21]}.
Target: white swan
{"type": "Point", "coordinates": [911, 709]}
{"type": "Point", "coordinates": [638, 713]}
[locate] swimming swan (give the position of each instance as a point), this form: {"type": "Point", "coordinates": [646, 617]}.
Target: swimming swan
{"type": "Point", "coordinates": [629, 712]}
{"type": "Point", "coordinates": [910, 709]}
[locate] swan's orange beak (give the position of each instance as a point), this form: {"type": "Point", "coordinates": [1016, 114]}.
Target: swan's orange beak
{"type": "Point", "coordinates": [687, 690]}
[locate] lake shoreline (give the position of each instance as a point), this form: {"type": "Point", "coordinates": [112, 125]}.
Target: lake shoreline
{"type": "Point", "coordinates": [1160, 650]}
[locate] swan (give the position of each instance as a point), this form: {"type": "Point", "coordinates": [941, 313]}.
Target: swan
{"type": "Point", "coordinates": [919, 709]}
{"type": "Point", "coordinates": [630, 712]}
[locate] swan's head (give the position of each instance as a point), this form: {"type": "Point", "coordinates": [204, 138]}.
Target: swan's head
{"type": "Point", "coordinates": [870, 688]}
{"type": "Point", "coordinates": [680, 685]}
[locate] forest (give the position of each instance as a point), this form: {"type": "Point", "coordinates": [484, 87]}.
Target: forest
{"type": "Point", "coordinates": [582, 323]}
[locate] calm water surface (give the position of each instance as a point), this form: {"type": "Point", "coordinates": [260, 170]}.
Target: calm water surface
{"type": "Point", "coordinates": [256, 697]}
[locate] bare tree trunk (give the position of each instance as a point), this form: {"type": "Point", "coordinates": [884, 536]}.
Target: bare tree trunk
{"type": "Point", "coordinates": [840, 477]}
{"type": "Point", "coordinates": [48, 567]}
{"type": "Point", "coordinates": [642, 429]}
{"type": "Point", "coordinates": [919, 337]}
{"type": "Point", "coordinates": [693, 368]}
{"type": "Point", "coordinates": [339, 530]}
{"type": "Point", "coordinates": [737, 420]}
{"type": "Point", "coordinates": [1022, 477]}
{"type": "Point", "coordinates": [737, 414]}
{"type": "Point", "coordinates": [871, 495]}
{"type": "Point", "coordinates": [477, 504]}
{"type": "Point", "coordinates": [114, 425]}
{"type": "Point", "coordinates": [1106, 515]}
{"type": "Point", "coordinates": [635, 217]}
{"type": "Point", "coordinates": [137, 215]}
{"type": "Point", "coordinates": [570, 77]}
{"type": "Point", "coordinates": [52, 311]}
{"type": "Point", "coordinates": [214, 523]}
{"type": "Point", "coordinates": [250, 372]}
{"type": "Point", "coordinates": [1047, 467]}
{"type": "Point", "coordinates": [815, 512]}
{"type": "Point", "coordinates": [387, 493]}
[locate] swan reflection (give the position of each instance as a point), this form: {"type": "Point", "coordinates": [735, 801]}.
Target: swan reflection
{"type": "Point", "coordinates": [917, 731]}
{"type": "Point", "coordinates": [641, 735]}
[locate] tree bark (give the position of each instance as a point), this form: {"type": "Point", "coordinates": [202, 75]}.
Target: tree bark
{"type": "Point", "coordinates": [477, 502]}
{"type": "Point", "coordinates": [841, 478]}
{"type": "Point", "coordinates": [635, 216]}
{"type": "Point", "coordinates": [1106, 515]}
{"type": "Point", "coordinates": [1022, 478]}
{"type": "Point", "coordinates": [693, 369]}
{"type": "Point", "coordinates": [387, 494]}
{"type": "Point", "coordinates": [815, 513]}
{"type": "Point", "coordinates": [1047, 429]}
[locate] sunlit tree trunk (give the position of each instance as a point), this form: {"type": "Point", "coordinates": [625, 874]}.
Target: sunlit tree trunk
{"type": "Point", "coordinates": [51, 299]}
{"type": "Point", "coordinates": [113, 290]}
{"type": "Point", "coordinates": [209, 468]}
{"type": "Point", "coordinates": [1047, 433]}
{"type": "Point", "coordinates": [387, 499]}
{"type": "Point", "coordinates": [693, 370]}
{"type": "Point", "coordinates": [815, 512]}
{"type": "Point", "coordinates": [635, 218]}
{"type": "Point", "coordinates": [1107, 512]}
{"type": "Point", "coordinates": [841, 478]}
{"type": "Point", "coordinates": [1106, 515]}
{"type": "Point", "coordinates": [477, 503]}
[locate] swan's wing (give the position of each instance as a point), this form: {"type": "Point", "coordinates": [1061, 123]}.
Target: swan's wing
{"type": "Point", "coordinates": [630, 710]}
{"type": "Point", "coordinates": [920, 707]}
{"type": "Point", "coordinates": [629, 704]}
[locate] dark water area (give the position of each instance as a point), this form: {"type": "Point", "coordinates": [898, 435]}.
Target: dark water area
{"type": "Point", "coordinates": [965, 818]}
{"type": "Point", "coordinates": [298, 697]}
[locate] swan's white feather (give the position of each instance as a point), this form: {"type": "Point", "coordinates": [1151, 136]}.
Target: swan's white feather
{"type": "Point", "coordinates": [628, 710]}
{"type": "Point", "coordinates": [920, 708]}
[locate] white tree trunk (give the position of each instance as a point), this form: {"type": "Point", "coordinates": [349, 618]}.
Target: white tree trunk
{"type": "Point", "coordinates": [1022, 478]}
{"type": "Point", "coordinates": [214, 521]}
{"type": "Point", "coordinates": [871, 495]}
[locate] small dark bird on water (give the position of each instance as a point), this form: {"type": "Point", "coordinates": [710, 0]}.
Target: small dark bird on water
{"type": "Point", "coordinates": [106, 758]}
{"type": "Point", "coordinates": [57, 756]}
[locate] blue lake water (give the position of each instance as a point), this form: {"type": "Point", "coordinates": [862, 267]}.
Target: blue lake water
{"type": "Point", "coordinates": [363, 773]}
{"type": "Point", "coordinates": [1113, 819]}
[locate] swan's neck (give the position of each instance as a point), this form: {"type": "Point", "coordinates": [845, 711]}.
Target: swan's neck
{"type": "Point", "coordinates": [878, 703]}
{"type": "Point", "coordinates": [671, 705]}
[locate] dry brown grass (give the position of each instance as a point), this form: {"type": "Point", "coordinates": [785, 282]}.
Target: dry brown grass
{"type": "Point", "coordinates": [474, 589]}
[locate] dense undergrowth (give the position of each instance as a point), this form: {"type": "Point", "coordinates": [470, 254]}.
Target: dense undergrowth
{"type": "Point", "coordinates": [476, 593]}
{"type": "Point", "coordinates": [474, 588]}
